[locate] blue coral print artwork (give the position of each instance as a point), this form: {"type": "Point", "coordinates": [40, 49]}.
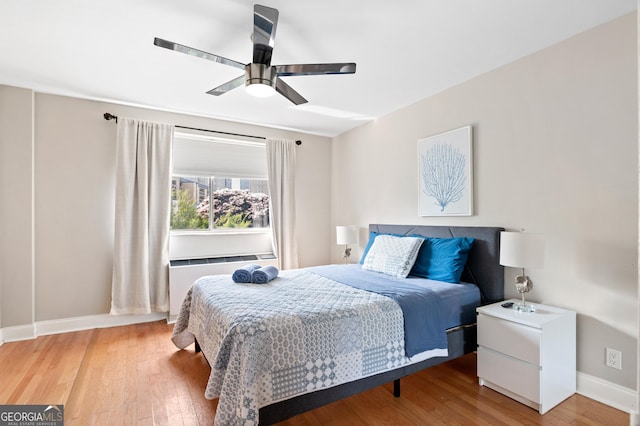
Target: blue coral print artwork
{"type": "Point", "coordinates": [445, 174]}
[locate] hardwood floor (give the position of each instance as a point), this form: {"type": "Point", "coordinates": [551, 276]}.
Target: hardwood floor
{"type": "Point", "coordinates": [134, 375]}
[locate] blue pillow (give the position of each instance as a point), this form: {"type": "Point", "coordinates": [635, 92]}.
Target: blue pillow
{"type": "Point", "coordinates": [442, 259]}
{"type": "Point", "coordinates": [372, 236]}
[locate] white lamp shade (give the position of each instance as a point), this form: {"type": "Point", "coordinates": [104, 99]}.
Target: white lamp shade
{"type": "Point", "coordinates": [346, 234]}
{"type": "Point", "coordinates": [522, 250]}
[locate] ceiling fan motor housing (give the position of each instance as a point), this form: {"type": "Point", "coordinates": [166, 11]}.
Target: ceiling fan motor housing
{"type": "Point", "coordinates": [260, 74]}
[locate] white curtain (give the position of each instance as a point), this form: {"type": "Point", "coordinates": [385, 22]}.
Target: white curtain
{"type": "Point", "coordinates": [143, 197]}
{"type": "Point", "coordinates": [281, 164]}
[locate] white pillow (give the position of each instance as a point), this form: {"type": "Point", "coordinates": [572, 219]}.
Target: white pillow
{"type": "Point", "coordinates": [392, 255]}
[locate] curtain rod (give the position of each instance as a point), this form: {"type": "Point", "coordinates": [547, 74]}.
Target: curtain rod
{"type": "Point", "coordinates": [108, 116]}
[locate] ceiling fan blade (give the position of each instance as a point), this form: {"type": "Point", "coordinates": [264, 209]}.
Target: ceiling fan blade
{"type": "Point", "coordinates": [229, 85]}
{"type": "Point", "coordinates": [287, 91]}
{"type": "Point", "coordinates": [316, 69]}
{"type": "Point", "coordinates": [195, 52]}
{"type": "Point", "coordinates": [265, 21]}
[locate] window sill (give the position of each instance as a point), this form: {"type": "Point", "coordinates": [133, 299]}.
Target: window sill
{"type": "Point", "coordinates": [221, 232]}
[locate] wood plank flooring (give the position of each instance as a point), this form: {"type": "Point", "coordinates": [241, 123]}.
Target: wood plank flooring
{"type": "Point", "coordinates": [133, 375]}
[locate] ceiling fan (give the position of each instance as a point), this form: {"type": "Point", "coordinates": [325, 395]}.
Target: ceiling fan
{"type": "Point", "coordinates": [260, 77]}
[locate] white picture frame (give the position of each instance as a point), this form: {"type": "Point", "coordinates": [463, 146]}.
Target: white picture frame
{"type": "Point", "coordinates": [445, 174]}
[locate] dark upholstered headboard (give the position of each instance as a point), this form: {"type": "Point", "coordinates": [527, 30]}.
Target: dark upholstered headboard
{"type": "Point", "coordinates": [483, 265]}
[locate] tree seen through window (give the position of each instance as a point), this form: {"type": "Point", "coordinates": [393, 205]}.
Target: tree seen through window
{"type": "Point", "coordinates": [237, 203]}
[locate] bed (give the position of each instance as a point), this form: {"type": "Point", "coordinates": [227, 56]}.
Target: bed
{"type": "Point", "coordinates": [310, 338]}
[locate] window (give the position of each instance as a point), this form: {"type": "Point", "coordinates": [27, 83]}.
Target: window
{"type": "Point", "coordinates": [218, 184]}
{"type": "Point", "coordinates": [237, 203]}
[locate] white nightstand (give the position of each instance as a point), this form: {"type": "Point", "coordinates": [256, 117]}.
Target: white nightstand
{"type": "Point", "coordinates": [530, 357]}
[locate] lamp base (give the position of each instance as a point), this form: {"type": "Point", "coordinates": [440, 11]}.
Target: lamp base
{"type": "Point", "coordinates": [346, 254]}
{"type": "Point", "coordinates": [524, 307]}
{"type": "Point", "coordinates": [523, 285]}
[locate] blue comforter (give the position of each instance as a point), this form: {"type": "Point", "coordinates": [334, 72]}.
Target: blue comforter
{"type": "Point", "coordinates": [423, 322]}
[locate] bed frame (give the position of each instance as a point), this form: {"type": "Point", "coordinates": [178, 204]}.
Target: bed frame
{"type": "Point", "coordinates": [483, 269]}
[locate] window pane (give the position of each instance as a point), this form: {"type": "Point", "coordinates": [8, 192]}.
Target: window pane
{"type": "Point", "coordinates": [240, 203]}
{"type": "Point", "coordinates": [189, 202]}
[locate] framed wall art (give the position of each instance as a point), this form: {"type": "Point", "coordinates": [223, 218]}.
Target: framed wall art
{"type": "Point", "coordinates": [445, 172]}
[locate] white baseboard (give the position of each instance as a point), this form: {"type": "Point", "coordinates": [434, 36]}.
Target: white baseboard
{"type": "Point", "coordinates": [608, 393]}
{"type": "Point", "coordinates": [66, 325]}
{"type": "Point", "coordinates": [18, 332]}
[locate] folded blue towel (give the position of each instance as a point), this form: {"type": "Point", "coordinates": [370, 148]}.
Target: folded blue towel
{"type": "Point", "coordinates": [243, 275]}
{"type": "Point", "coordinates": [264, 274]}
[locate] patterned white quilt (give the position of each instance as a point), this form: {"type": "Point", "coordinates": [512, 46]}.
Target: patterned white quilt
{"type": "Point", "coordinates": [297, 334]}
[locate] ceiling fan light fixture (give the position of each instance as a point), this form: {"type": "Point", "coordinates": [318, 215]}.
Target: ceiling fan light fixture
{"type": "Point", "coordinates": [260, 90]}
{"type": "Point", "coordinates": [260, 80]}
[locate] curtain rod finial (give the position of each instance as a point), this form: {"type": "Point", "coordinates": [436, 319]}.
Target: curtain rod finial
{"type": "Point", "coordinates": [298, 142]}
{"type": "Point", "coordinates": [109, 116]}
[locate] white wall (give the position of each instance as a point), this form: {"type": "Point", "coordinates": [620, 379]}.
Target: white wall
{"type": "Point", "coordinates": [61, 150]}
{"type": "Point", "coordinates": [555, 151]}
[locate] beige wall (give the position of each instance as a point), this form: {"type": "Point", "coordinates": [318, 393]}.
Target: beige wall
{"type": "Point", "coordinates": [73, 174]}
{"type": "Point", "coordinates": [16, 202]}
{"type": "Point", "coordinates": [555, 151]}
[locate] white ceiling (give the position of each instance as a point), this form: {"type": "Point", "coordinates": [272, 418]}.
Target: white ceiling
{"type": "Point", "coordinates": [405, 51]}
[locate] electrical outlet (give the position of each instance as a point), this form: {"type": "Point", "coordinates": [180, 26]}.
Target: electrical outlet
{"type": "Point", "coordinates": [613, 358]}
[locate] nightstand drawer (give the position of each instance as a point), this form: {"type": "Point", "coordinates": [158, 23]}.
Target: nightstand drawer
{"type": "Point", "coordinates": [519, 377]}
{"type": "Point", "coordinates": [516, 340]}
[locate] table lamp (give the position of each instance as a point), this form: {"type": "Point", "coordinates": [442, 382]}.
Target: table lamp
{"type": "Point", "coordinates": [346, 235]}
{"type": "Point", "coordinates": [522, 250]}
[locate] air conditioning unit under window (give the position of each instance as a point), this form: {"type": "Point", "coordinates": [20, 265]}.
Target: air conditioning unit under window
{"type": "Point", "coordinates": [183, 273]}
